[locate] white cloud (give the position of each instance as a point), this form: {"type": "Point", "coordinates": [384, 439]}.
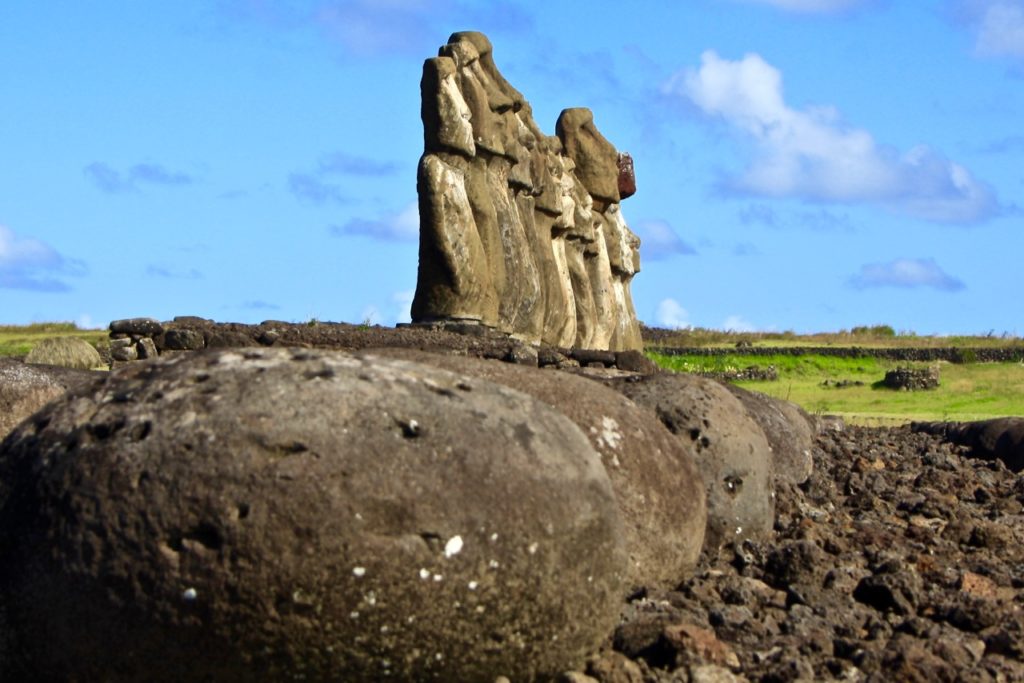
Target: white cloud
{"type": "Point", "coordinates": [672, 315]}
{"type": "Point", "coordinates": [403, 226]}
{"type": "Point", "coordinates": [735, 323]}
{"type": "Point", "coordinates": [396, 312]}
{"type": "Point", "coordinates": [659, 241]}
{"type": "Point", "coordinates": [811, 6]}
{"type": "Point", "coordinates": [906, 273]}
{"type": "Point", "coordinates": [30, 264]}
{"type": "Point", "coordinates": [403, 300]}
{"type": "Point", "coordinates": [813, 155]}
{"type": "Point", "coordinates": [85, 322]}
{"type": "Point", "coordinates": [998, 26]}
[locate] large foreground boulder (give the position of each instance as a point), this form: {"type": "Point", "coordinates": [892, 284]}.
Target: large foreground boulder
{"type": "Point", "coordinates": [273, 514]}
{"type": "Point", "coordinates": [789, 429]}
{"type": "Point", "coordinates": [657, 485]}
{"type": "Point", "coordinates": [730, 449]}
{"type": "Point", "coordinates": [26, 388]}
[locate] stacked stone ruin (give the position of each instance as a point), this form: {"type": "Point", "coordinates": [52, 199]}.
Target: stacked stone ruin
{"type": "Point", "coordinates": [519, 231]}
{"type": "Point", "coordinates": [912, 379]}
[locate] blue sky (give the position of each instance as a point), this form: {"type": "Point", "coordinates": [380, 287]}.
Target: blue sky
{"type": "Point", "coordinates": [805, 165]}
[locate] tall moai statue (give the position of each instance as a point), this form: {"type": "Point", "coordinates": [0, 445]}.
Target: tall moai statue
{"type": "Point", "coordinates": [519, 231]}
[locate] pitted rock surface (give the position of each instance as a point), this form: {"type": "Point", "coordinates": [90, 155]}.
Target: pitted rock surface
{"type": "Point", "coordinates": [731, 451]}
{"type": "Point", "coordinates": [789, 429]}
{"type": "Point", "coordinates": [519, 231]}
{"type": "Point", "coordinates": [267, 513]}
{"type": "Point", "coordinates": [658, 487]}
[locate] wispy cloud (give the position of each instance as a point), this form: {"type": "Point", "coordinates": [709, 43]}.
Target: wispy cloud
{"type": "Point", "coordinates": [1007, 145]}
{"type": "Point", "coordinates": [736, 323]}
{"type": "Point", "coordinates": [906, 273]}
{"type": "Point", "coordinates": [312, 189]}
{"type": "Point", "coordinates": [259, 305]}
{"type": "Point", "coordinates": [384, 28]}
{"type": "Point", "coordinates": [813, 155]}
{"type": "Point", "coordinates": [114, 181]}
{"type": "Point", "coordinates": [347, 164]}
{"type": "Point", "coordinates": [812, 6]}
{"type": "Point", "coordinates": [670, 313]}
{"type": "Point", "coordinates": [318, 186]}
{"type": "Point", "coordinates": [658, 241]}
{"type": "Point", "coordinates": [154, 270]}
{"type": "Point", "coordinates": [816, 219]}
{"type": "Point", "coordinates": [30, 264]}
{"type": "Point", "coordinates": [997, 25]}
{"type": "Point", "coordinates": [403, 226]}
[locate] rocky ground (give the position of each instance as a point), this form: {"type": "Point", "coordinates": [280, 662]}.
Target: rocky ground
{"type": "Point", "coordinates": [899, 560]}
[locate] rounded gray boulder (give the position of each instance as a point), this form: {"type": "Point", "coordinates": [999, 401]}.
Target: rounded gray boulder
{"type": "Point", "coordinates": [657, 485]}
{"type": "Point", "coordinates": [276, 514]}
{"type": "Point", "coordinates": [729, 447]}
{"type": "Point", "coordinates": [66, 352]}
{"type": "Point", "coordinates": [790, 432]}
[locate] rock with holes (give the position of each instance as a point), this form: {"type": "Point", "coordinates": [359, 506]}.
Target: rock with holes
{"type": "Point", "coordinates": [274, 514]}
{"type": "Point", "coordinates": [731, 451]}
{"type": "Point", "coordinates": [657, 485]}
{"type": "Point", "coordinates": [789, 429]}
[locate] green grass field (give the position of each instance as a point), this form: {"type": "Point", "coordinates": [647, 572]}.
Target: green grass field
{"type": "Point", "coordinates": [971, 391]}
{"type": "Point", "coordinates": [873, 336]}
{"type": "Point", "coordinates": [18, 340]}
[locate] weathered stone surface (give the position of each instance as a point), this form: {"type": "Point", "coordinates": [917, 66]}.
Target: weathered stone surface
{"type": "Point", "coordinates": [144, 348]}
{"type": "Point", "coordinates": [731, 451]}
{"type": "Point", "coordinates": [789, 429]}
{"type": "Point", "coordinates": [627, 176]}
{"type": "Point", "coordinates": [597, 161]}
{"type": "Point", "coordinates": [274, 514]}
{"type": "Point", "coordinates": [67, 352]}
{"type": "Point", "coordinates": [516, 227]}
{"type": "Point", "coordinates": [183, 339]}
{"type": "Point", "coordinates": [24, 389]}
{"type": "Point", "coordinates": [226, 339]}
{"type": "Point", "coordinates": [138, 326]}
{"type": "Point", "coordinates": [124, 349]}
{"type": "Point", "coordinates": [912, 379]}
{"type": "Point", "coordinates": [657, 485]}
{"type": "Point", "coordinates": [997, 439]}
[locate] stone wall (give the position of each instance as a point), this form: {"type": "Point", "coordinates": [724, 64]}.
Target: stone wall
{"type": "Point", "coordinates": [912, 379]}
{"type": "Point", "coordinates": [519, 231]}
{"type": "Point", "coordinates": [907, 355]}
{"type": "Point", "coordinates": [135, 339]}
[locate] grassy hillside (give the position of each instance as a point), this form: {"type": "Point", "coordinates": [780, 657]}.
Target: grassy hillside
{"type": "Point", "coordinates": [18, 340]}
{"type": "Point", "coordinates": [970, 391]}
{"type": "Point", "coordinates": [866, 336]}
